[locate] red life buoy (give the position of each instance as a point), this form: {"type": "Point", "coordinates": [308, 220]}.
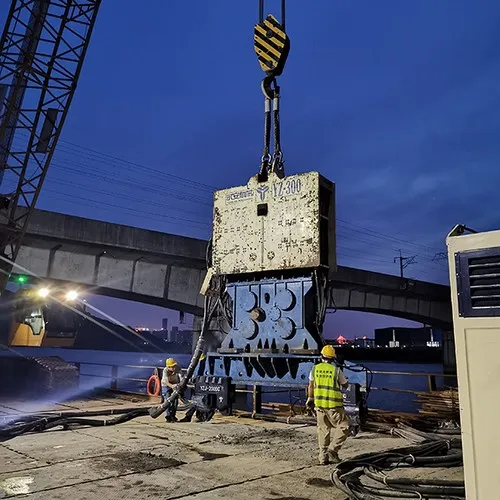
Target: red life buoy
{"type": "Point", "coordinates": [154, 386]}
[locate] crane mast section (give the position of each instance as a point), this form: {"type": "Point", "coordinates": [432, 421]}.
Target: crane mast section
{"type": "Point", "coordinates": [282, 224]}
{"type": "Point", "coordinates": [42, 50]}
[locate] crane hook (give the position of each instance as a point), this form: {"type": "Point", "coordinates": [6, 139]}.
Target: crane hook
{"type": "Point", "coordinates": [267, 90]}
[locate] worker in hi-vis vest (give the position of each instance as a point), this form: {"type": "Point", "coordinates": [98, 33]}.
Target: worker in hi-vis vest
{"type": "Point", "coordinates": [324, 393]}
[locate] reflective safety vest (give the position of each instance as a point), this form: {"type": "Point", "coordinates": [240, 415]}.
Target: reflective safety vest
{"type": "Point", "coordinates": [326, 386]}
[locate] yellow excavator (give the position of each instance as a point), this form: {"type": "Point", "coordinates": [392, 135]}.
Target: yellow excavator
{"type": "Point", "coordinates": [39, 321]}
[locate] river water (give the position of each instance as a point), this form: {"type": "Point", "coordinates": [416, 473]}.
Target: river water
{"type": "Point", "coordinates": [95, 371]}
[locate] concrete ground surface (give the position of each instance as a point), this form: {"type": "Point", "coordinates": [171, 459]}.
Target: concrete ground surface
{"type": "Point", "coordinates": [227, 458]}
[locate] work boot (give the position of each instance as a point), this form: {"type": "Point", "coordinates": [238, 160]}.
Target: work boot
{"type": "Point", "coordinates": [333, 457]}
{"type": "Point", "coordinates": [185, 419]}
{"type": "Point", "coordinates": [323, 459]}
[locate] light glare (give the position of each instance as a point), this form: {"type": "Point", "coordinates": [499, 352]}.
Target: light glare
{"type": "Point", "coordinates": [72, 295]}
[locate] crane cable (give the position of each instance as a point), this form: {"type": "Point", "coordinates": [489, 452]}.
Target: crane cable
{"type": "Point", "coordinates": [272, 47]}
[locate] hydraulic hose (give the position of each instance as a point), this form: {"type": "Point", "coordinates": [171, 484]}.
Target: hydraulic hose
{"type": "Point", "coordinates": [40, 423]}
{"type": "Point", "coordinates": [348, 476]}
{"type": "Point", "coordinates": [209, 309]}
{"type": "Point", "coordinates": [45, 421]}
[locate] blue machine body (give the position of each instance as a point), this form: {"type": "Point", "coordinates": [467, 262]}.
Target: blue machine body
{"type": "Point", "coordinates": [274, 339]}
{"type": "Point", "coordinates": [273, 316]}
{"type": "Point", "coordinates": [274, 370]}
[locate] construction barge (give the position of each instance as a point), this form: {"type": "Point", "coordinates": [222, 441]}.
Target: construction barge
{"type": "Point", "coordinates": [266, 452]}
{"type": "Point", "coordinates": [236, 457]}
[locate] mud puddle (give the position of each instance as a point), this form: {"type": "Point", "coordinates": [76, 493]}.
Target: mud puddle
{"type": "Point", "coordinates": [126, 462]}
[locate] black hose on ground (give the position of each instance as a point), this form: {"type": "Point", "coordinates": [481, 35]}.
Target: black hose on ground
{"type": "Point", "coordinates": [45, 421]}
{"type": "Point", "coordinates": [39, 423]}
{"type": "Point", "coordinates": [351, 476]}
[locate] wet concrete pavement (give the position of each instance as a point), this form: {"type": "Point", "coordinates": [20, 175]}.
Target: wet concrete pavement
{"type": "Point", "coordinates": [225, 458]}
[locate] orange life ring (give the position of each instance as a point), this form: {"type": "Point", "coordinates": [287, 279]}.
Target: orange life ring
{"type": "Point", "coordinates": [156, 389]}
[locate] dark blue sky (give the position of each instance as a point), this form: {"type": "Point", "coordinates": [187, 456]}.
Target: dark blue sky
{"type": "Point", "coordinates": [397, 102]}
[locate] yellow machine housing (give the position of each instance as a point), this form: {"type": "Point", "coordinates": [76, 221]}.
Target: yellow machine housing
{"type": "Point", "coordinates": [35, 323]}
{"type": "Point", "coordinates": [280, 224]}
{"type": "Point", "coordinates": [474, 263]}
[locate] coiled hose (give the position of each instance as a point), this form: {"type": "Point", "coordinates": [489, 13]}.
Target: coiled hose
{"type": "Point", "coordinates": [348, 476]}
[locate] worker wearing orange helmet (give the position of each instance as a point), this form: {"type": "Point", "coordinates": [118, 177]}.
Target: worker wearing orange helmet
{"type": "Point", "coordinates": [172, 377]}
{"type": "Point", "coordinates": [324, 393]}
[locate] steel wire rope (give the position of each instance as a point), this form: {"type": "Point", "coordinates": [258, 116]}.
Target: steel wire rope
{"type": "Point", "coordinates": [377, 235]}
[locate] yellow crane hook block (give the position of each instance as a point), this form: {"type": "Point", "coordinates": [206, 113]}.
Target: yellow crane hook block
{"type": "Point", "coordinates": [271, 45]}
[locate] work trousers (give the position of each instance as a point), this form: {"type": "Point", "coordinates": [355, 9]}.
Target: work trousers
{"type": "Point", "coordinates": [172, 408]}
{"type": "Point", "coordinates": [333, 429]}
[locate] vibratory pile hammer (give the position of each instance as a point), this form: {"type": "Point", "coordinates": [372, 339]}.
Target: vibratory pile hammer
{"type": "Point", "coordinates": [274, 244]}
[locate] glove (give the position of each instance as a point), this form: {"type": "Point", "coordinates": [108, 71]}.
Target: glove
{"type": "Point", "coordinates": [310, 403]}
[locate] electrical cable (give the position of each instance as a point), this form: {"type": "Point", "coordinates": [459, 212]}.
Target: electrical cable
{"type": "Point", "coordinates": [350, 476]}
{"type": "Point", "coordinates": [361, 231]}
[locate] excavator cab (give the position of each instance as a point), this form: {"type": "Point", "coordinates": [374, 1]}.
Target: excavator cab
{"type": "Point", "coordinates": [38, 322]}
{"type": "Point", "coordinates": [27, 327]}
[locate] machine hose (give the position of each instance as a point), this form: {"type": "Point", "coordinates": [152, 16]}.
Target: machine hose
{"type": "Point", "coordinates": [208, 312]}
{"type": "Point", "coordinates": [40, 423]}
{"type": "Point", "coordinates": [43, 422]}
{"type": "Point", "coordinates": [350, 476]}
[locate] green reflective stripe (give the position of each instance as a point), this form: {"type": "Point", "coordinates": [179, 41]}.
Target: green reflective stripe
{"type": "Point", "coordinates": [326, 386]}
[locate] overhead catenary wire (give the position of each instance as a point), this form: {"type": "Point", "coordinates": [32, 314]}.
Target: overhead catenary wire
{"type": "Point", "coordinates": [133, 166]}
{"type": "Point", "coordinates": [375, 252]}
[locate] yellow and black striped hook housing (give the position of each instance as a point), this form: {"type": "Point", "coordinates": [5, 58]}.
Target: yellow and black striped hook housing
{"type": "Point", "coordinates": [272, 45]}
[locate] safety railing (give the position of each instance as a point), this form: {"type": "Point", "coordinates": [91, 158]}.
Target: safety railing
{"type": "Point", "coordinates": [126, 378]}
{"type": "Point", "coordinates": [432, 379]}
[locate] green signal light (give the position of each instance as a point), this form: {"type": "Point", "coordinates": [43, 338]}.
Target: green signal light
{"type": "Point", "coordinates": [22, 279]}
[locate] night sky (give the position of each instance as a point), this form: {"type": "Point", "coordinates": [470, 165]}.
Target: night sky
{"type": "Point", "coordinates": [397, 102]}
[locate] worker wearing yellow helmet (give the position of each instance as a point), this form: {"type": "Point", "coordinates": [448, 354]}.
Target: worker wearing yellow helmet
{"type": "Point", "coordinates": [172, 376]}
{"type": "Point", "coordinates": [324, 393]}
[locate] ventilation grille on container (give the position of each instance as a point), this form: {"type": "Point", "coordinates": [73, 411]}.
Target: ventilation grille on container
{"type": "Point", "coordinates": [478, 281]}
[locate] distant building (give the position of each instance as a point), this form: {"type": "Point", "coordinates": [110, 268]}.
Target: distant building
{"type": "Point", "coordinates": [164, 324]}
{"type": "Point", "coordinates": [408, 337]}
{"type": "Point", "coordinates": [185, 337]}
{"type": "Point", "coordinates": [364, 342]}
{"type": "Point", "coordinates": [172, 334]}
{"type": "Point", "coordinates": [180, 336]}
{"type": "Point", "coordinates": [159, 334]}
